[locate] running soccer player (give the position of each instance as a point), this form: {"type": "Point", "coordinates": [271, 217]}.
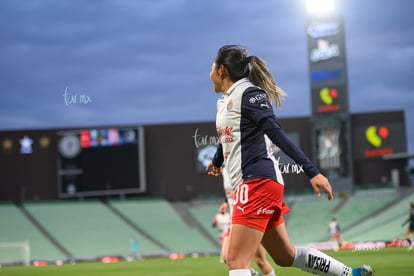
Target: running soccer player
{"type": "Point", "coordinates": [409, 233]}
{"type": "Point", "coordinates": [335, 231]}
{"type": "Point", "coordinates": [244, 116]}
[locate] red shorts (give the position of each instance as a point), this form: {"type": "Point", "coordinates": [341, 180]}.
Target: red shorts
{"type": "Point", "coordinates": [258, 203]}
{"type": "Point", "coordinates": [336, 236]}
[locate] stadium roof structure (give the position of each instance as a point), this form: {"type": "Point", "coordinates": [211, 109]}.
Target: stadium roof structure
{"type": "Point", "coordinates": [399, 155]}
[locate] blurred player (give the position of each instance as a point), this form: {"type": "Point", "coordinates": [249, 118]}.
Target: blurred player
{"type": "Point", "coordinates": [221, 222]}
{"type": "Point", "coordinates": [134, 246]}
{"type": "Point", "coordinates": [409, 233]}
{"type": "Point", "coordinates": [335, 231]}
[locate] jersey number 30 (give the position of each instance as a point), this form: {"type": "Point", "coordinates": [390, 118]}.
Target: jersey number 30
{"type": "Point", "coordinates": [242, 194]}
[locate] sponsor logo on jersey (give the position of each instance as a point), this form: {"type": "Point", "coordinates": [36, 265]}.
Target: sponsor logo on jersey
{"type": "Point", "coordinates": [264, 105]}
{"type": "Point", "coordinates": [225, 134]}
{"type": "Point", "coordinates": [241, 209]}
{"type": "Point", "coordinates": [265, 211]}
{"type": "Point", "coordinates": [225, 131]}
{"type": "Point", "coordinates": [259, 98]}
{"type": "Point", "coordinates": [230, 105]}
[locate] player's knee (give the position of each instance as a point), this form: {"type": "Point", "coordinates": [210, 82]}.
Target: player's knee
{"type": "Point", "coordinates": [260, 261]}
{"type": "Point", "coordinates": [237, 263]}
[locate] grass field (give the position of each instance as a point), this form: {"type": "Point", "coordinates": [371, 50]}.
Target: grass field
{"type": "Point", "coordinates": [389, 262]}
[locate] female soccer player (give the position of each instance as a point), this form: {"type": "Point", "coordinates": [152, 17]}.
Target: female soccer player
{"type": "Point", "coordinates": [410, 230]}
{"type": "Point", "coordinates": [244, 115]}
{"type": "Point", "coordinates": [221, 222]}
{"type": "Point", "coordinates": [335, 231]}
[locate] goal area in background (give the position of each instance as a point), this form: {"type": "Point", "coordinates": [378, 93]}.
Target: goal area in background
{"type": "Point", "coordinates": [15, 253]}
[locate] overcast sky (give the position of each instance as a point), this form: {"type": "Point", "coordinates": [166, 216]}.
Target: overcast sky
{"type": "Point", "coordinates": [148, 61]}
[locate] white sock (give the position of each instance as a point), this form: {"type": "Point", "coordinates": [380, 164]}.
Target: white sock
{"type": "Point", "coordinates": [240, 272]}
{"type": "Point", "coordinates": [317, 262]}
{"type": "Point", "coordinates": [272, 273]}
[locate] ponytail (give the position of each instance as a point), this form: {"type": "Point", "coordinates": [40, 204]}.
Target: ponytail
{"type": "Point", "coordinates": [239, 65]}
{"type": "Point", "coordinates": [260, 76]}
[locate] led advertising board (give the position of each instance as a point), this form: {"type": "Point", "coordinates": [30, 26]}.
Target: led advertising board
{"type": "Point", "coordinates": [328, 99]}
{"type": "Point", "coordinates": [376, 140]}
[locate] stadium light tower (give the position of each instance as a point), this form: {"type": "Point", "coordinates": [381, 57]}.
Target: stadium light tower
{"type": "Point", "coordinates": [331, 133]}
{"type": "Point", "coordinates": [320, 6]}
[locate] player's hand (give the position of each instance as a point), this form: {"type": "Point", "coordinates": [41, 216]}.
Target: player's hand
{"type": "Point", "coordinates": [223, 207]}
{"type": "Point", "coordinates": [321, 182]}
{"type": "Point", "coordinates": [212, 170]}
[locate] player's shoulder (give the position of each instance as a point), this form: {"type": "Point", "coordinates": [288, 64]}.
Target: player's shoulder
{"type": "Point", "coordinates": [256, 96]}
{"type": "Point", "coordinates": [253, 90]}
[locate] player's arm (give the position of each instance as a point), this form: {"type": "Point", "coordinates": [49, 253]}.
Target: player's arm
{"type": "Point", "coordinates": [257, 107]}
{"type": "Point", "coordinates": [214, 167]}
{"type": "Point", "coordinates": [405, 222]}
{"type": "Point", "coordinates": [271, 127]}
{"type": "Point", "coordinates": [273, 130]}
{"type": "Point", "coordinates": [214, 222]}
{"type": "Point", "coordinates": [223, 207]}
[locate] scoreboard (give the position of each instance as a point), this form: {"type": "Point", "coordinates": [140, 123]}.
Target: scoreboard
{"type": "Point", "coordinates": [101, 161]}
{"type": "Point", "coordinates": [63, 163]}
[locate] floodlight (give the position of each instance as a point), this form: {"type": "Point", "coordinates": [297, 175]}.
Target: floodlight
{"type": "Point", "coordinates": [320, 6]}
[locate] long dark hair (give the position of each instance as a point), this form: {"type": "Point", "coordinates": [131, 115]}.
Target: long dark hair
{"type": "Point", "coordinates": [236, 60]}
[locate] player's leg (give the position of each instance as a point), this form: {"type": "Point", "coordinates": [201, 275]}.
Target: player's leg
{"type": "Point", "coordinates": [225, 247]}
{"type": "Point", "coordinates": [407, 235]}
{"type": "Point", "coordinates": [243, 243]}
{"type": "Point", "coordinates": [262, 263]}
{"type": "Point", "coordinates": [284, 253]}
{"type": "Point", "coordinates": [336, 238]}
{"type": "Point", "coordinates": [410, 236]}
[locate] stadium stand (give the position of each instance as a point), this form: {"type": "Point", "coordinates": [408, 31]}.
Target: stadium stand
{"type": "Point", "coordinates": [362, 204]}
{"type": "Point", "coordinates": [157, 218]}
{"type": "Point", "coordinates": [203, 212]}
{"type": "Point", "coordinates": [383, 225]}
{"type": "Point", "coordinates": [14, 227]}
{"type": "Point", "coordinates": [309, 217]}
{"type": "Point", "coordinates": [88, 229]}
